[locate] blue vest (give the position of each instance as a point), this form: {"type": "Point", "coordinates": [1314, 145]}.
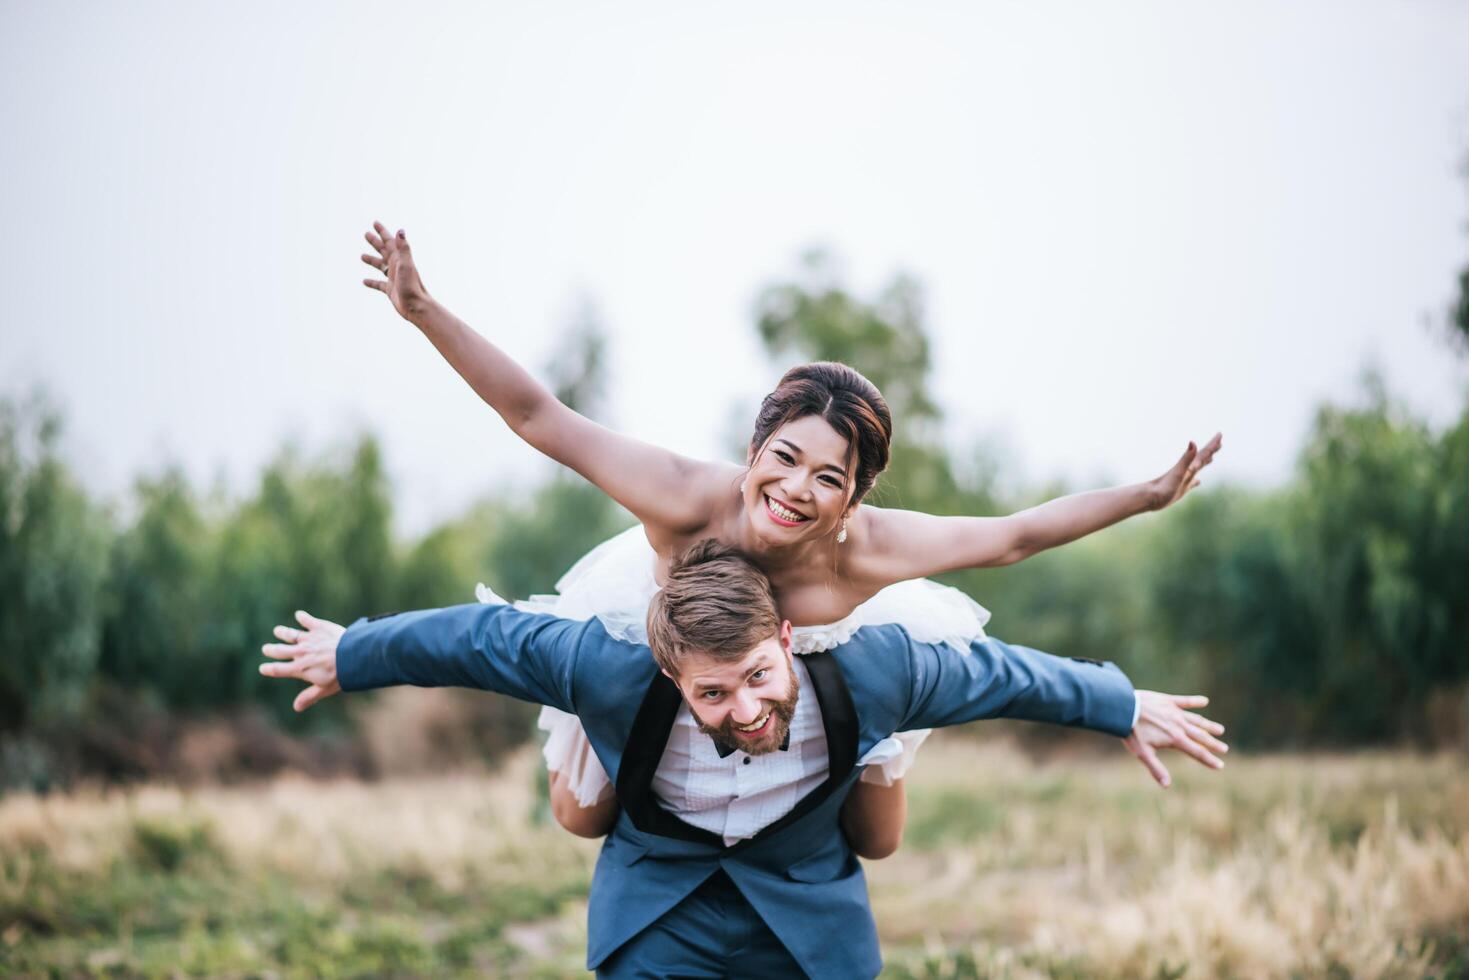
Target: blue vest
{"type": "Point", "coordinates": [799, 873]}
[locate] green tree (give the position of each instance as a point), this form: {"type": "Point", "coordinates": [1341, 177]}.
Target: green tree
{"type": "Point", "coordinates": [53, 553]}
{"type": "Point", "coordinates": [1336, 607]}
{"type": "Point", "coordinates": [443, 566]}
{"type": "Point", "coordinates": [154, 634]}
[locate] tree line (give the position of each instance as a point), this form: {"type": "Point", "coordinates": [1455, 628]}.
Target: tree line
{"type": "Point", "coordinates": [1330, 610]}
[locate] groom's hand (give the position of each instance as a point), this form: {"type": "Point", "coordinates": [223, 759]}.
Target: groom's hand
{"type": "Point", "coordinates": [1164, 722]}
{"type": "Point", "coordinates": [308, 655]}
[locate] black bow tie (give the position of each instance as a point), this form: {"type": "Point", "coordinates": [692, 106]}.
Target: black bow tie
{"type": "Point", "coordinates": [725, 750]}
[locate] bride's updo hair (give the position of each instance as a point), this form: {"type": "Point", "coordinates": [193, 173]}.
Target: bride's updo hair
{"type": "Point", "coordinates": [848, 402]}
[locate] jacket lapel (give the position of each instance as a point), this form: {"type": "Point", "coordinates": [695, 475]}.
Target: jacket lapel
{"type": "Point", "coordinates": [640, 759]}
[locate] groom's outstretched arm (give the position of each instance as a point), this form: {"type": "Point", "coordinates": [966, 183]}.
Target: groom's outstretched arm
{"type": "Point", "coordinates": [999, 680]}
{"type": "Point", "coordinates": [492, 647]}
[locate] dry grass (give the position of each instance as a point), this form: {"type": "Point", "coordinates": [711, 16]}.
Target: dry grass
{"type": "Point", "coordinates": [448, 828]}
{"type": "Point", "coordinates": [1279, 866]}
{"type": "Point", "coordinates": [1316, 866]}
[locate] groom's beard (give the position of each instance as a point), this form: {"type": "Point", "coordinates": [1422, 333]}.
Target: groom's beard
{"type": "Point", "coordinates": [781, 713]}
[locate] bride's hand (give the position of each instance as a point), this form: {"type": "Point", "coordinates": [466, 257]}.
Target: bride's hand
{"type": "Point", "coordinates": [394, 259]}
{"type": "Point", "coordinates": [1183, 477]}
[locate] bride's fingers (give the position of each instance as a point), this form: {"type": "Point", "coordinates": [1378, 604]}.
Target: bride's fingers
{"type": "Point", "coordinates": [386, 237]}
{"type": "Point", "coordinates": [378, 284]}
{"type": "Point", "coordinates": [373, 240]}
{"type": "Point", "coordinates": [377, 262]}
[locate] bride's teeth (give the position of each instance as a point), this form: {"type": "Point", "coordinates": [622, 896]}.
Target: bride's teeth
{"type": "Point", "coordinates": [784, 513]}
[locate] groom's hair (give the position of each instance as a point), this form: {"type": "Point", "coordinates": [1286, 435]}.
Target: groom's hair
{"type": "Point", "coordinates": [715, 602]}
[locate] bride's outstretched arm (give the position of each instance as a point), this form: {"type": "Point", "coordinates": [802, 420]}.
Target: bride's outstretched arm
{"type": "Point", "coordinates": [904, 544]}
{"type": "Point", "coordinates": [661, 488]}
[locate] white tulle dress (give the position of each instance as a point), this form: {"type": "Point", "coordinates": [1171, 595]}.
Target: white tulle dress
{"type": "Point", "coordinates": [614, 582]}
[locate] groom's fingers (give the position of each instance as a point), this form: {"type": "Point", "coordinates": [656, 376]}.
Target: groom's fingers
{"type": "Point", "coordinates": [281, 651]}
{"type": "Point", "coordinates": [1153, 764]}
{"type": "Point", "coordinates": [1205, 739]}
{"type": "Point", "coordinates": [308, 697]}
{"type": "Point", "coordinates": [1207, 724]}
{"type": "Point", "coordinates": [1190, 700]}
{"type": "Point", "coordinates": [288, 634]}
{"type": "Point", "coordinates": [307, 620]}
{"type": "Point", "coordinates": [1197, 752]}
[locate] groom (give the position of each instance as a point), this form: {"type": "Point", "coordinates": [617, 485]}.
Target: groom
{"type": "Point", "coordinates": [731, 759]}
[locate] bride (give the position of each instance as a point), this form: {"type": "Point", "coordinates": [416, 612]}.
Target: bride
{"type": "Point", "coordinates": [820, 440]}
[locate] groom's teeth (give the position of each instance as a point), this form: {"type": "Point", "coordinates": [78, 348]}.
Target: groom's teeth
{"type": "Point", "coordinates": [758, 724]}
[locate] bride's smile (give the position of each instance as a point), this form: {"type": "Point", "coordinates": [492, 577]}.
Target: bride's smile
{"type": "Point", "coordinates": [796, 489]}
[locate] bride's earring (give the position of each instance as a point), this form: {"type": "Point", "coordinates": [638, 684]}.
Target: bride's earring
{"type": "Point", "coordinates": [742, 487]}
{"type": "Point", "coordinates": [842, 534]}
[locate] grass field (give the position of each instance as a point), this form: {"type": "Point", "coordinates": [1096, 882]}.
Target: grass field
{"type": "Point", "coordinates": [1281, 866]}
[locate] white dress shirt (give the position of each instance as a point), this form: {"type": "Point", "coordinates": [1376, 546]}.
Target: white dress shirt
{"type": "Point", "coordinates": [741, 794]}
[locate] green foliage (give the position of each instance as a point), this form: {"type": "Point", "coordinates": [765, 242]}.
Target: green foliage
{"type": "Point", "coordinates": [168, 845]}
{"type": "Point", "coordinates": [1329, 610]}
{"type": "Point", "coordinates": [1334, 608]}
{"type": "Point", "coordinates": [443, 567]}
{"type": "Point", "coordinates": [543, 538]}
{"type": "Point", "coordinates": [52, 559]}
{"type": "Point", "coordinates": [1337, 606]}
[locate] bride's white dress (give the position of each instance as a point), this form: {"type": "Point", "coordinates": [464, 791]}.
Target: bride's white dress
{"type": "Point", "coordinates": [614, 582]}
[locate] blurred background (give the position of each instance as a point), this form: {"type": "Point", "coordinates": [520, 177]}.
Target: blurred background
{"type": "Point", "coordinates": [1063, 240]}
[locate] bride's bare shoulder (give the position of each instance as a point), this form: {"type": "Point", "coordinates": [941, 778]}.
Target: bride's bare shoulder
{"type": "Point", "coordinates": [706, 490]}
{"type": "Point", "coordinates": [873, 535]}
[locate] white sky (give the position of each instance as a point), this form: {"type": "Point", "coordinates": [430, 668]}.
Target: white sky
{"type": "Point", "coordinates": [1136, 222]}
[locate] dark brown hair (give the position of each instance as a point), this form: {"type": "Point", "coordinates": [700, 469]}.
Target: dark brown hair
{"type": "Point", "coordinates": [715, 602]}
{"type": "Point", "coordinates": [848, 402]}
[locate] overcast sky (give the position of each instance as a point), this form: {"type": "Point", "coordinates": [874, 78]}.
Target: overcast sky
{"type": "Point", "coordinates": [1136, 223]}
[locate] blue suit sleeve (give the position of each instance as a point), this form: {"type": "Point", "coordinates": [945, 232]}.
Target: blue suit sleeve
{"type": "Point", "coordinates": [529, 656]}
{"type": "Point", "coordinates": [997, 680]}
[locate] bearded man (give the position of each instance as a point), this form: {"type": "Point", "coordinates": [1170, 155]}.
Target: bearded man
{"type": "Point", "coordinates": [730, 757]}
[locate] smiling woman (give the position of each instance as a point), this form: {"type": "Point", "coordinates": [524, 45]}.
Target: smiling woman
{"type": "Point", "coordinates": [795, 509]}
{"type": "Point", "coordinates": [825, 422]}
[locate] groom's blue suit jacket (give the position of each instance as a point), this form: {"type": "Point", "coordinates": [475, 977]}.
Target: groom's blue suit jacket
{"type": "Point", "coordinates": [799, 873]}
